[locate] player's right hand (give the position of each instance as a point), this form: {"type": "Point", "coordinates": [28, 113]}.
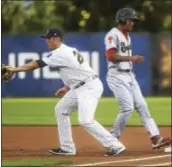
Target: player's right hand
{"type": "Point", "coordinates": [61, 92]}
{"type": "Point", "coordinates": [137, 59]}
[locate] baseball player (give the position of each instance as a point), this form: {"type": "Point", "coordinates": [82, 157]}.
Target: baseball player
{"type": "Point", "coordinates": [121, 79]}
{"type": "Point", "coordinates": [82, 91]}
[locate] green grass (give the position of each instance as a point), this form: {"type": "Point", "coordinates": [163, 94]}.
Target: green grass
{"type": "Point", "coordinates": [40, 111]}
{"type": "Point", "coordinates": [35, 162]}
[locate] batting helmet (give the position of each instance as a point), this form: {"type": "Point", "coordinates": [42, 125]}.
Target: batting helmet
{"type": "Point", "coordinates": [126, 13]}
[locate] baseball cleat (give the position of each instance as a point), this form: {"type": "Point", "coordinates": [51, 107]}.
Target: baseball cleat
{"type": "Point", "coordinates": [158, 142]}
{"type": "Point", "coordinates": [114, 151]}
{"type": "Point", "coordinates": [59, 151]}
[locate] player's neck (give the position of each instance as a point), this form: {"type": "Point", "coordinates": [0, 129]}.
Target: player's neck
{"type": "Point", "coordinates": [58, 45]}
{"type": "Point", "coordinates": [122, 29]}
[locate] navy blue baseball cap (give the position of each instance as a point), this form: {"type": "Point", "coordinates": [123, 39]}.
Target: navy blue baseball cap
{"type": "Point", "coordinates": [52, 32]}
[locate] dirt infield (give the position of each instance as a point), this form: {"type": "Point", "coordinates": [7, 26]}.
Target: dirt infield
{"type": "Point", "coordinates": [20, 142]}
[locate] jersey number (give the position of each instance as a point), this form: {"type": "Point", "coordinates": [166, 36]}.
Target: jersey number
{"type": "Point", "coordinates": [79, 57]}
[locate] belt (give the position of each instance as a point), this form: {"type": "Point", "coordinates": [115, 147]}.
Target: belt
{"type": "Point", "coordinates": [127, 70]}
{"type": "Point", "coordinates": [121, 70]}
{"type": "Point", "coordinates": [84, 82]}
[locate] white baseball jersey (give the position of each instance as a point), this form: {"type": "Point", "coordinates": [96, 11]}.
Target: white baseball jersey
{"type": "Point", "coordinates": [70, 65]}
{"type": "Point", "coordinates": [116, 39]}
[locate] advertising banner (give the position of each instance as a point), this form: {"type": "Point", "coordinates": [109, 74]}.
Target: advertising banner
{"type": "Point", "coordinates": [18, 50]}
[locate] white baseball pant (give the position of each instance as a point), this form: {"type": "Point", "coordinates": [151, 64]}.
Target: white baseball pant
{"type": "Point", "coordinates": [129, 96]}
{"type": "Point", "coordinates": [85, 99]}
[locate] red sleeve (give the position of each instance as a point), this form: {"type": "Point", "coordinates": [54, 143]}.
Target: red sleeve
{"type": "Point", "coordinates": [110, 52]}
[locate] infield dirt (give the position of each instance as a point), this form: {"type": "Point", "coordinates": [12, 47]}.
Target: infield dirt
{"type": "Point", "coordinates": [21, 142]}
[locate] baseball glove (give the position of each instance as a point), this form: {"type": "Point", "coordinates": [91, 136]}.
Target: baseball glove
{"type": "Point", "coordinates": [6, 75]}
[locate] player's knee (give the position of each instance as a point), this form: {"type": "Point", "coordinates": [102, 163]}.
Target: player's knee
{"type": "Point", "coordinates": [85, 121]}
{"type": "Point", "coordinates": [61, 111]}
{"type": "Point", "coordinates": [143, 110]}
{"type": "Point", "coordinates": [141, 106]}
{"type": "Point", "coordinates": [126, 109]}
{"type": "Point", "coordinates": [58, 110]}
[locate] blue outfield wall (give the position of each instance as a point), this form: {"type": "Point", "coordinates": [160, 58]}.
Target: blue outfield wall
{"type": "Point", "coordinates": [17, 50]}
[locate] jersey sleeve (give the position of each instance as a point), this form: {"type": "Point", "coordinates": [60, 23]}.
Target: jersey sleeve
{"type": "Point", "coordinates": [52, 59]}
{"type": "Point", "coordinates": [110, 41]}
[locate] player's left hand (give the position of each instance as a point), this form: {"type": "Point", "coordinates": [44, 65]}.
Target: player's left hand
{"type": "Point", "coordinates": [61, 92]}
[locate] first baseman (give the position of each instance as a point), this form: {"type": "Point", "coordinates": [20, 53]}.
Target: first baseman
{"type": "Point", "coordinates": [82, 91]}
{"type": "Point", "coordinates": [121, 79]}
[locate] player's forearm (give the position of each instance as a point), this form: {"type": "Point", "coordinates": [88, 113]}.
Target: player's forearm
{"type": "Point", "coordinates": [118, 58]}
{"type": "Point", "coordinates": [27, 67]}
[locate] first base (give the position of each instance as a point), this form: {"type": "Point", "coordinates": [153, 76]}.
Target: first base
{"type": "Point", "coordinates": [167, 150]}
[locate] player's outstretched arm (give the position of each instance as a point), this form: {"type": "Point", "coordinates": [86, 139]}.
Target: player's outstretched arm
{"type": "Point", "coordinates": [26, 67]}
